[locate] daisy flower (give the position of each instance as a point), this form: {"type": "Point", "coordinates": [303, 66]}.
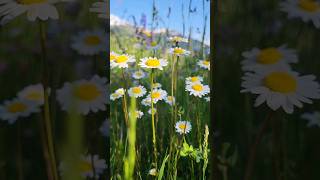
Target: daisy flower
{"type": "Point", "coordinates": [138, 114]}
{"type": "Point", "coordinates": [183, 127]}
{"type": "Point", "coordinates": [146, 101]}
{"type": "Point", "coordinates": [170, 100]}
{"type": "Point", "coordinates": [12, 110]}
{"type": "Point", "coordinates": [312, 118]}
{"type": "Point", "coordinates": [268, 58]}
{"type": "Point", "coordinates": [104, 128]}
{"type": "Point", "coordinates": [117, 94]}
{"type": "Point", "coordinates": [152, 45]}
{"type": "Point", "coordinates": [121, 61]}
{"type": "Point", "coordinates": [84, 95]}
{"type": "Point", "coordinates": [139, 74]}
{"type": "Point", "coordinates": [177, 39]}
{"type": "Point", "coordinates": [86, 167]}
{"type": "Point", "coordinates": [205, 64]}
{"type": "Point", "coordinates": [34, 9]}
{"type": "Point", "coordinates": [194, 79]}
{"type": "Point", "coordinates": [153, 172]}
{"type": "Point", "coordinates": [89, 42]}
{"type": "Point", "coordinates": [154, 111]}
{"type": "Point", "coordinates": [177, 51]}
{"type": "Point", "coordinates": [157, 95]}
{"type": "Point", "coordinates": [198, 89]}
{"type": "Point", "coordinates": [153, 63]}
{"type": "Point", "coordinates": [33, 93]}
{"type": "Point", "coordinates": [113, 56]}
{"type": "Point", "coordinates": [100, 8]}
{"type": "Point", "coordinates": [137, 91]}
{"type": "Point", "coordinates": [284, 89]}
{"type": "Point", "coordinates": [156, 85]}
{"type": "Point", "coordinates": [307, 10]}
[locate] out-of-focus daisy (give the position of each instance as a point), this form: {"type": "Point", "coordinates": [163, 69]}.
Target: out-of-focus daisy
{"type": "Point", "coordinates": [284, 89]}
{"type": "Point", "coordinates": [183, 127]}
{"type": "Point", "coordinates": [194, 79]}
{"type": "Point", "coordinates": [139, 74]}
{"type": "Point", "coordinates": [100, 8]}
{"type": "Point", "coordinates": [205, 64]}
{"type": "Point", "coordinates": [152, 45]}
{"type": "Point", "coordinates": [121, 61]}
{"type": "Point", "coordinates": [113, 56]}
{"type": "Point", "coordinates": [146, 101]}
{"type": "Point", "coordinates": [138, 114]}
{"type": "Point", "coordinates": [153, 172]}
{"type": "Point", "coordinates": [157, 95]}
{"type": "Point", "coordinates": [156, 85]}
{"type": "Point", "coordinates": [207, 99]}
{"type": "Point", "coordinates": [177, 51]}
{"type": "Point", "coordinates": [268, 58]}
{"type": "Point", "coordinates": [137, 91]}
{"type": "Point", "coordinates": [86, 167]}
{"type": "Point", "coordinates": [89, 42]}
{"type": "Point", "coordinates": [312, 118]}
{"type": "Point", "coordinates": [117, 94]}
{"type": "Point", "coordinates": [12, 110]}
{"type": "Point", "coordinates": [307, 10]}
{"type": "Point", "coordinates": [84, 96]}
{"type": "Point", "coordinates": [170, 100]}
{"type": "Point", "coordinates": [154, 111]}
{"type": "Point", "coordinates": [198, 89]}
{"type": "Point", "coordinates": [177, 39]}
{"type": "Point", "coordinates": [34, 9]}
{"type": "Point", "coordinates": [153, 63]}
{"type": "Point", "coordinates": [33, 93]}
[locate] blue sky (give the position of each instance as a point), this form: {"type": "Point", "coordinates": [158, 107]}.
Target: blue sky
{"type": "Point", "coordinates": [125, 8]}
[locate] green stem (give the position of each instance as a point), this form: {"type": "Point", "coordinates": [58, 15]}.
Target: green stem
{"type": "Point", "coordinates": [45, 82]}
{"type": "Point", "coordinates": [153, 124]}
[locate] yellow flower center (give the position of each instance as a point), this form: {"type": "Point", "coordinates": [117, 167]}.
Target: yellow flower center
{"type": "Point", "coordinates": [153, 44]}
{"type": "Point", "coordinates": [269, 56]}
{"type": "Point", "coordinates": [29, 2]}
{"type": "Point", "coordinates": [85, 166]}
{"type": "Point", "coordinates": [87, 92]}
{"type": "Point", "coordinates": [280, 82]}
{"type": "Point", "coordinates": [309, 5]}
{"type": "Point", "coordinates": [170, 98]}
{"type": "Point", "coordinates": [155, 95]}
{"type": "Point", "coordinates": [17, 107]}
{"type": "Point", "coordinates": [92, 40]}
{"type": "Point", "coordinates": [194, 79]}
{"type": "Point", "coordinates": [136, 90]}
{"type": "Point", "coordinates": [122, 59]}
{"type": "Point", "coordinates": [183, 126]}
{"type": "Point", "coordinates": [153, 62]}
{"type": "Point", "coordinates": [35, 96]}
{"type": "Point", "coordinates": [197, 87]}
{"type": "Point", "coordinates": [178, 50]}
{"type": "Point", "coordinates": [113, 57]}
{"type": "Point", "coordinates": [207, 63]}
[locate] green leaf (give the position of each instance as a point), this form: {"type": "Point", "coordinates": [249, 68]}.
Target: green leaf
{"type": "Point", "coordinates": [162, 167]}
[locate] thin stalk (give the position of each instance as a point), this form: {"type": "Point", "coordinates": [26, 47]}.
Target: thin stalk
{"type": "Point", "coordinates": [45, 82]}
{"type": "Point", "coordinates": [153, 124]}
{"type": "Point", "coordinates": [19, 152]}
{"type": "Point", "coordinates": [125, 109]}
{"type": "Point", "coordinates": [253, 148]}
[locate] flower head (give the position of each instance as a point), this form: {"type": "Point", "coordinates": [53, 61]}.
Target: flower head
{"type": "Point", "coordinates": [205, 64]}
{"type": "Point", "coordinates": [137, 91]}
{"type": "Point", "coordinates": [153, 63]}
{"type": "Point", "coordinates": [89, 42]}
{"type": "Point", "coordinates": [284, 89]}
{"type": "Point", "coordinates": [197, 89]}
{"type": "Point", "coordinates": [139, 74]}
{"type": "Point", "coordinates": [177, 51]}
{"type": "Point", "coordinates": [121, 61]}
{"type": "Point", "coordinates": [183, 127]}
